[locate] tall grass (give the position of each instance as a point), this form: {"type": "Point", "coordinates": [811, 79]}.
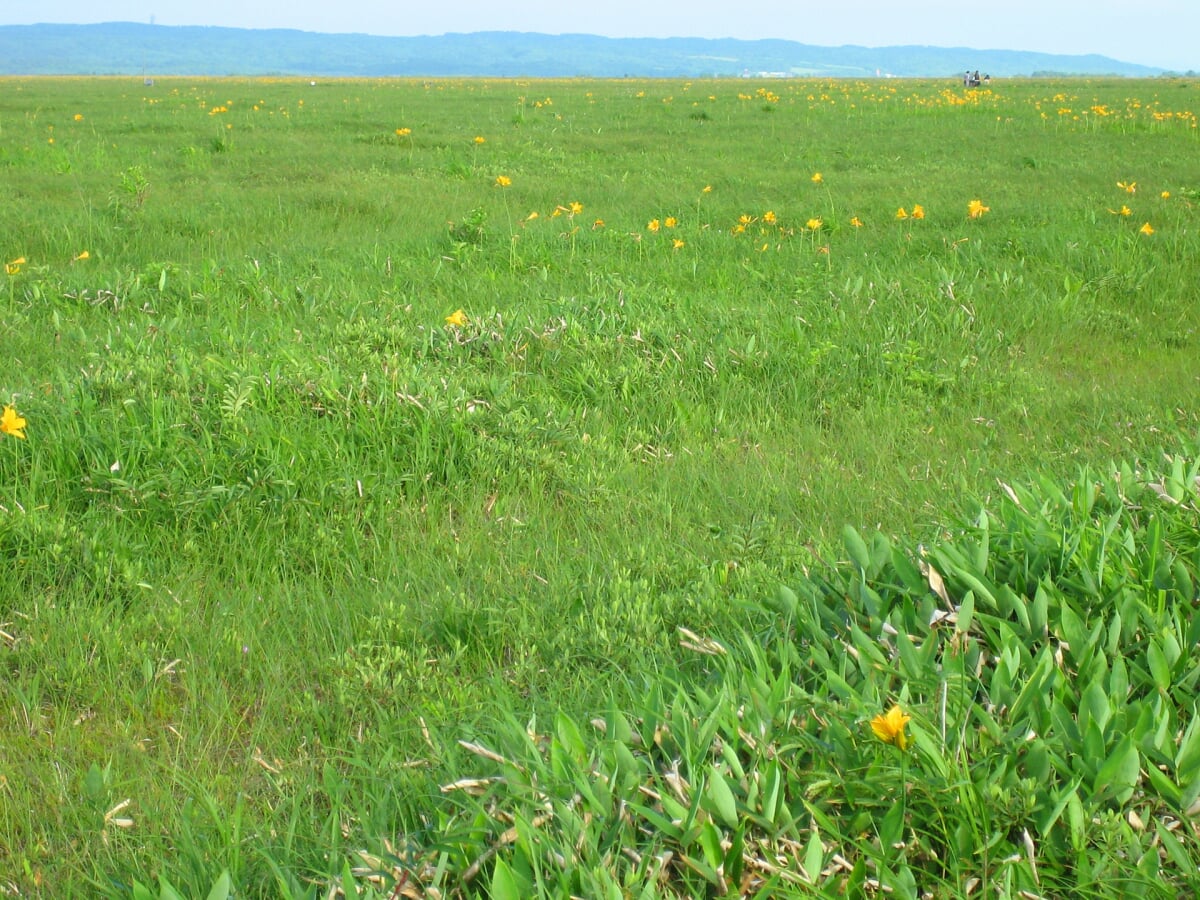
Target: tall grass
{"type": "Point", "coordinates": [280, 535]}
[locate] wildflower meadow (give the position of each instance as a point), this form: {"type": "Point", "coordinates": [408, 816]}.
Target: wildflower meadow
{"type": "Point", "coordinates": [499, 488]}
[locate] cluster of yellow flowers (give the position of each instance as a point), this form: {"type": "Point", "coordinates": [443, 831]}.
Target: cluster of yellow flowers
{"type": "Point", "coordinates": [570, 210]}
{"type": "Point", "coordinates": [669, 222]}
{"type": "Point", "coordinates": [975, 210]}
{"type": "Point", "coordinates": [1185, 116]}
{"type": "Point", "coordinates": [1098, 112]}
{"type": "Point", "coordinates": [1130, 187]}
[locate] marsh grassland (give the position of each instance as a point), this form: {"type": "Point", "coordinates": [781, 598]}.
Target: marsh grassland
{"type": "Point", "coordinates": [603, 489]}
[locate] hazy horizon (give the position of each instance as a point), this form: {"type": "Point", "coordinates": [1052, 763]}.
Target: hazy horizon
{"type": "Point", "coordinates": [1160, 33]}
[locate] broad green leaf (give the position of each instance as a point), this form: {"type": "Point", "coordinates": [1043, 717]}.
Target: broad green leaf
{"type": "Point", "coordinates": [224, 886]}
{"type": "Point", "coordinates": [1174, 849]}
{"type": "Point", "coordinates": [735, 855]}
{"type": "Point", "coordinates": [349, 887]}
{"type": "Point", "coordinates": [868, 649]}
{"type": "Point", "coordinates": [981, 551]}
{"type": "Point", "coordinates": [1112, 645]}
{"type": "Point", "coordinates": [857, 548]}
{"type": "Point", "coordinates": [1118, 681]}
{"type": "Point", "coordinates": [1171, 649]}
{"type": "Point", "coordinates": [676, 810]}
{"type": "Point", "coordinates": [627, 765]}
{"type": "Point", "coordinates": [966, 612]}
{"type": "Point", "coordinates": [891, 829]}
{"type": "Point", "coordinates": [1095, 748]}
{"type": "Point", "coordinates": [866, 599]}
{"type": "Point", "coordinates": [1166, 788]}
{"type": "Point", "coordinates": [903, 883]}
{"type": "Point", "coordinates": [568, 734]}
{"type": "Point", "coordinates": [1149, 868]}
{"type": "Point", "coordinates": [504, 883]}
{"type": "Point", "coordinates": [1073, 632]}
{"type": "Point", "coordinates": [721, 798]}
{"type": "Point", "coordinates": [786, 600]}
{"type": "Point", "coordinates": [710, 843]}
{"type": "Point", "coordinates": [1160, 669]}
{"type": "Point", "coordinates": [1151, 548]}
{"type": "Point", "coordinates": [982, 591]}
{"type": "Point", "coordinates": [1083, 496]}
{"type": "Point", "coordinates": [933, 750]}
{"type": "Point", "coordinates": [1187, 760]}
{"type": "Point", "coordinates": [619, 728]}
{"type": "Point", "coordinates": [772, 793]}
{"type": "Point", "coordinates": [729, 753]}
{"type": "Point", "coordinates": [1096, 704]}
{"type": "Point", "coordinates": [1193, 631]}
{"type": "Point", "coordinates": [840, 686]}
{"type": "Point", "coordinates": [911, 665]}
{"type": "Point", "coordinates": [1183, 581]}
{"type": "Point", "coordinates": [1013, 605]}
{"type": "Point", "coordinates": [1037, 762]}
{"type": "Point", "coordinates": [814, 857]}
{"type": "Point", "coordinates": [1077, 821]}
{"type": "Point", "coordinates": [1119, 775]}
{"type": "Point", "coordinates": [1033, 697]}
{"type": "Point", "coordinates": [93, 782]}
{"type": "Point", "coordinates": [707, 872]}
{"type": "Point", "coordinates": [908, 573]}
{"type": "Point", "coordinates": [881, 553]}
{"type": "Point", "coordinates": [1039, 613]}
{"type": "Point", "coordinates": [664, 826]}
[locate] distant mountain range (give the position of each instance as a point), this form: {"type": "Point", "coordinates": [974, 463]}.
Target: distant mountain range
{"type": "Point", "coordinates": [124, 48]}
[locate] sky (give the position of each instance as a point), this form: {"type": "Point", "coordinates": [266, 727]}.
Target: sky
{"type": "Point", "coordinates": [1152, 32]}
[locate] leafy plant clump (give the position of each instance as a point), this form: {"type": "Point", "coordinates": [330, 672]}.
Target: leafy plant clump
{"type": "Point", "coordinates": [1044, 651]}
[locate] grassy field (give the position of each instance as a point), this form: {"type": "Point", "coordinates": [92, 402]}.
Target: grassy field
{"type": "Point", "coordinates": [457, 488]}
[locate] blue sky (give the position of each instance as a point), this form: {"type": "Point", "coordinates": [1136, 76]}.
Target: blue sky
{"type": "Point", "coordinates": [1153, 32]}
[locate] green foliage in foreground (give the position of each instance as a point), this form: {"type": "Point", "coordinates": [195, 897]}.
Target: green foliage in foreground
{"type": "Point", "coordinates": [280, 536]}
{"type": "Point", "coordinates": [1046, 651]}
